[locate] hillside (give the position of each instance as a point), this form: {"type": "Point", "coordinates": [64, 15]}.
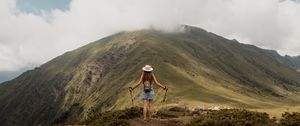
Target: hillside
{"type": "Point", "coordinates": [294, 62]}
{"type": "Point", "coordinates": [8, 75]}
{"type": "Point", "coordinates": [291, 61]}
{"type": "Point", "coordinates": [199, 67]}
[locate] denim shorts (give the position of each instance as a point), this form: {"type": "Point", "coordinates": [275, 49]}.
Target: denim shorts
{"type": "Point", "coordinates": [147, 95]}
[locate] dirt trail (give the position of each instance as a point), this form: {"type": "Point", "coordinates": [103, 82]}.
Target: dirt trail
{"type": "Point", "coordinates": [156, 122]}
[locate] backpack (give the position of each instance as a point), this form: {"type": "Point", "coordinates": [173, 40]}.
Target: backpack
{"type": "Point", "coordinates": [147, 86]}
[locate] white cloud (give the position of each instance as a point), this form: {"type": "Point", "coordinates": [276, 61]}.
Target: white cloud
{"type": "Point", "coordinates": [26, 38]}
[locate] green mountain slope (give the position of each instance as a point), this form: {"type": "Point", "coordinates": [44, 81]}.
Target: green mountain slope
{"type": "Point", "coordinates": [291, 61]}
{"type": "Point", "coordinates": [200, 68]}
{"type": "Point", "coordinates": [296, 61]}
{"type": "Point", "coordinates": [9, 75]}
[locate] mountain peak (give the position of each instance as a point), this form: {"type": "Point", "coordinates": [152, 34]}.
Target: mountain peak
{"type": "Point", "coordinates": [189, 28]}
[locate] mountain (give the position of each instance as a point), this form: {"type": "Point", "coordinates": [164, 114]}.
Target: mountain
{"type": "Point", "coordinates": [8, 75]}
{"type": "Point", "coordinates": [292, 62]}
{"type": "Point", "coordinates": [200, 68]}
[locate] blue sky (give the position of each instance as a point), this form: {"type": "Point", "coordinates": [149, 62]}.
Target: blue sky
{"type": "Point", "coordinates": [35, 6]}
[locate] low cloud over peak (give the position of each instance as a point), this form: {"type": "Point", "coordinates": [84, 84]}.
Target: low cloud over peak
{"type": "Point", "coordinates": [28, 38]}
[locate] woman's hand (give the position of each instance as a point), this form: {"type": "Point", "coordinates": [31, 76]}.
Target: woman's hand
{"type": "Point", "coordinates": [165, 88]}
{"type": "Point", "coordinates": [131, 88]}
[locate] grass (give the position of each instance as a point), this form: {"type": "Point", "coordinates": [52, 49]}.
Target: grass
{"type": "Point", "coordinates": [236, 117]}
{"type": "Point", "coordinates": [113, 118]}
{"type": "Point", "coordinates": [187, 117]}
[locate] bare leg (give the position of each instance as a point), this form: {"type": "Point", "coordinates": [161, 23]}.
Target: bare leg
{"type": "Point", "coordinates": [149, 109]}
{"type": "Point", "coordinates": [145, 109]}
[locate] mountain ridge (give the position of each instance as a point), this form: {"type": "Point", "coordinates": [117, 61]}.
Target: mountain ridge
{"type": "Point", "coordinates": [9, 75]}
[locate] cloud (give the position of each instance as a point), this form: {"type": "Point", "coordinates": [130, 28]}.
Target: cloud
{"type": "Point", "coordinates": [26, 38]}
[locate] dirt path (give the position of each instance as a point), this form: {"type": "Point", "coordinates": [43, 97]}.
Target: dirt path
{"type": "Point", "coordinates": [156, 122]}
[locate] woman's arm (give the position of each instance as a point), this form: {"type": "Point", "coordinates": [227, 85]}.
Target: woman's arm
{"type": "Point", "coordinates": [164, 87]}
{"type": "Point", "coordinates": [139, 82]}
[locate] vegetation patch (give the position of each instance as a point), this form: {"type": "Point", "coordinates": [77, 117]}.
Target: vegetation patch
{"type": "Point", "coordinates": [173, 112]}
{"type": "Point", "coordinates": [69, 115]}
{"type": "Point", "coordinates": [115, 118]}
{"type": "Point", "coordinates": [182, 116]}
{"type": "Point", "coordinates": [290, 119]}
{"type": "Point", "coordinates": [233, 117]}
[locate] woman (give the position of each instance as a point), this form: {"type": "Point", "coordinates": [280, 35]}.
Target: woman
{"type": "Point", "coordinates": [147, 79]}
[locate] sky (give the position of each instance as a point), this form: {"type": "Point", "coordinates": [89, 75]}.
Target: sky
{"type": "Point", "coordinates": [35, 31]}
{"type": "Point", "coordinates": [37, 6]}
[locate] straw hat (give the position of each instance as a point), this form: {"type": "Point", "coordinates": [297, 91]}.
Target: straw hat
{"type": "Point", "coordinates": [147, 68]}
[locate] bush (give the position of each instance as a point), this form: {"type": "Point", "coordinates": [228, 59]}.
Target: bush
{"type": "Point", "coordinates": [173, 112]}
{"type": "Point", "coordinates": [115, 118]}
{"type": "Point", "coordinates": [233, 117]}
{"type": "Point", "coordinates": [290, 119]}
{"type": "Point", "coordinates": [68, 115]}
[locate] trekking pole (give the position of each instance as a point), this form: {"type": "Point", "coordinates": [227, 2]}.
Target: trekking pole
{"type": "Point", "coordinates": [131, 95]}
{"type": "Point", "coordinates": [165, 96]}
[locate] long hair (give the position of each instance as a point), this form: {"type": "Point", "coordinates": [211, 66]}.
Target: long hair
{"type": "Point", "coordinates": [147, 77]}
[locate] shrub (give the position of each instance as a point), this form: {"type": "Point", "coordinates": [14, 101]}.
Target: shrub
{"type": "Point", "coordinates": [232, 117]}
{"type": "Point", "coordinates": [290, 119]}
{"type": "Point", "coordinates": [173, 112]}
{"type": "Point", "coordinates": [68, 115]}
{"type": "Point", "coordinates": [116, 118]}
